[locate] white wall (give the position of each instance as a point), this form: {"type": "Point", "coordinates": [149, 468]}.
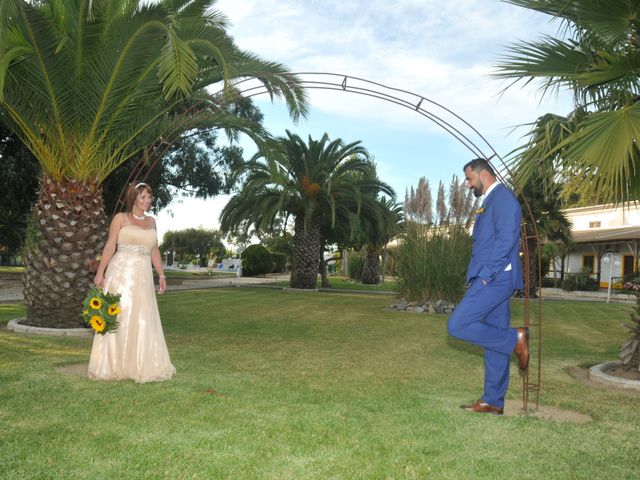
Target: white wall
{"type": "Point", "coordinates": [608, 217]}
{"type": "Point", "coordinates": [573, 264]}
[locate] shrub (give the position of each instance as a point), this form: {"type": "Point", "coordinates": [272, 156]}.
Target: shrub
{"type": "Point", "coordinates": [550, 282]}
{"type": "Point", "coordinates": [256, 260]}
{"type": "Point", "coordinates": [579, 281]}
{"type": "Point", "coordinates": [390, 260]}
{"type": "Point", "coordinates": [569, 284]}
{"type": "Point", "coordinates": [279, 262]}
{"type": "Point", "coordinates": [431, 263]}
{"type": "Point", "coordinates": [356, 262]}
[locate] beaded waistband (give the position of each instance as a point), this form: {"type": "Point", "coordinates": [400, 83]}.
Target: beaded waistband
{"type": "Point", "coordinates": [134, 249]}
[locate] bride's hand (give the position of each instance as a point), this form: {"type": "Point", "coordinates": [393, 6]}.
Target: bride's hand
{"type": "Point", "coordinates": [163, 285]}
{"type": "Point", "coordinates": [98, 280]}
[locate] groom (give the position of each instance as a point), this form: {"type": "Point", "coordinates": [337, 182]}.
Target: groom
{"type": "Point", "coordinates": [494, 272]}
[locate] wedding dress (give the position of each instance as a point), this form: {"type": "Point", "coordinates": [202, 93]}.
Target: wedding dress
{"type": "Point", "coordinates": [137, 349]}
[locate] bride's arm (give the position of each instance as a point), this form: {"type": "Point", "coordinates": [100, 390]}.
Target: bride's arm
{"type": "Point", "coordinates": [156, 261]}
{"type": "Point", "coordinates": [109, 249]}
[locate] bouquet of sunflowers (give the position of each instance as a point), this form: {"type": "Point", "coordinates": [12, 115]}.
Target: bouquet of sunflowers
{"type": "Point", "coordinates": [100, 311]}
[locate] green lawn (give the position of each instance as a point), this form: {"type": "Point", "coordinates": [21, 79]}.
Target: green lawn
{"type": "Point", "coordinates": [284, 385]}
{"type": "Point", "coordinates": [11, 269]}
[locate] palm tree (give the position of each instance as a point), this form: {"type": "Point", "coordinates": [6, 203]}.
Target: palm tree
{"type": "Point", "coordinates": [599, 63]}
{"type": "Point", "coordinates": [89, 84]}
{"type": "Point", "coordinates": [544, 207]}
{"type": "Point", "coordinates": [309, 181]}
{"type": "Point", "coordinates": [380, 227]}
{"type": "Point", "coordinates": [358, 218]}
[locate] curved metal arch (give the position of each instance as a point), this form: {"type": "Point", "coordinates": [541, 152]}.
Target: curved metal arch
{"type": "Point", "coordinates": [452, 123]}
{"type": "Point", "coordinates": [464, 133]}
{"type": "Point", "coordinates": [442, 116]}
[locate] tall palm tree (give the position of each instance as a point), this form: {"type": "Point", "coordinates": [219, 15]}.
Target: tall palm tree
{"type": "Point", "coordinates": [359, 216]}
{"type": "Point", "coordinates": [87, 84]}
{"type": "Point", "coordinates": [599, 62]}
{"type": "Point", "coordinates": [310, 182]}
{"type": "Point", "coordinates": [380, 227]}
{"type": "Point", "coordinates": [551, 223]}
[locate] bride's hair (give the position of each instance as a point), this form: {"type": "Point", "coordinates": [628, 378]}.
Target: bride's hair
{"type": "Point", "coordinates": [133, 191]}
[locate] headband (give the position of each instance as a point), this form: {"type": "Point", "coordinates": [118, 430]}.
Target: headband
{"type": "Point", "coordinates": [140, 184]}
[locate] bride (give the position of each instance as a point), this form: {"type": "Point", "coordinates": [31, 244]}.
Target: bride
{"type": "Point", "coordinates": [137, 349]}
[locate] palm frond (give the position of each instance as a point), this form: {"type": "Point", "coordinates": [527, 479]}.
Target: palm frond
{"type": "Point", "coordinates": [87, 83]}
{"type": "Point", "coordinates": [607, 19]}
{"type": "Point", "coordinates": [607, 143]}
{"type": "Point", "coordinates": [178, 67]}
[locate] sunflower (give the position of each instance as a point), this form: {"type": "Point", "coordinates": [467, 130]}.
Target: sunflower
{"type": "Point", "coordinates": [97, 323]}
{"type": "Point", "coordinates": [85, 312]}
{"type": "Point", "coordinates": [95, 303]}
{"type": "Point", "coordinates": [114, 309]}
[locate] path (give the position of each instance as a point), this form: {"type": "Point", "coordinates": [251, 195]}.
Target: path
{"type": "Point", "coordinates": [11, 289]}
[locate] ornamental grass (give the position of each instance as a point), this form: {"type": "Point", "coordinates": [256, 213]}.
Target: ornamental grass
{"type": "Point", "coordinates": [431, 262]}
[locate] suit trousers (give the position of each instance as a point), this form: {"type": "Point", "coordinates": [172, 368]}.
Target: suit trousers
{"type": "Point", "coordinates": [483, 318]}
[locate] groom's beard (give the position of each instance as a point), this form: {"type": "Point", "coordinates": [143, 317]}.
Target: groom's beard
{"type": "Point", "coordinates": [478, 191]}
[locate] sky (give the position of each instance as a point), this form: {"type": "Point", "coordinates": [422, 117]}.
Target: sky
{"type": "Point", "coordinates": [444, 51]}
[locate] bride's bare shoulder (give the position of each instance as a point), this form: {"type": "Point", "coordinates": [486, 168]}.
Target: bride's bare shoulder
{"type": "Point", "coordinates": [119, 219]}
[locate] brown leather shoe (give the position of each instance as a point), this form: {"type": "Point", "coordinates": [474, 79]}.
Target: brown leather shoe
{"type": "Point", "coordinates": [522, 348]}
{"type": "Point", "coordinates": [482, 407]}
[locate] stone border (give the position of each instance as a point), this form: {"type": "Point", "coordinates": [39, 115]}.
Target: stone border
{"type": "Point", "coordinates": [597, 374]}
{"type": "Point", "coordinates": [16, 326]}
{"type": "Point", "coordinates": [422, 306]}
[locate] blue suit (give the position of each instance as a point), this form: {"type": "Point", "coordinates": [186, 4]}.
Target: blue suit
{"type": "Point", "coordinates": [483, 315]}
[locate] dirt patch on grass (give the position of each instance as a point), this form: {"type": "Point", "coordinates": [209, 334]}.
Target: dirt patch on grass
{"type": "Point", "coordinates": [513, 408]}
{"type": "Point", "coordinates": [618, 371]}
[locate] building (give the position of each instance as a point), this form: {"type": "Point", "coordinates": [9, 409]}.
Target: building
{"type": "Point", "coordinates": [606, 243]}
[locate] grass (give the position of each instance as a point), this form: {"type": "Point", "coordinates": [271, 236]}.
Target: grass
{"type": "Point", "coordinates": [14, 269]}
{"type": "Point", "coordinates": [283, 385]}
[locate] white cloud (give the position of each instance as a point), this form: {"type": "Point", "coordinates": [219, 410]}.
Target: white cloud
{"type": "Point", "coordinates": [441, 50]}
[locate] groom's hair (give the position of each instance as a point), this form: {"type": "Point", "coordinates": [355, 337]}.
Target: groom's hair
{"type": "Point", "coordinates": [132, 193]}
{"type": "Point", "coordinates": [478, 164]}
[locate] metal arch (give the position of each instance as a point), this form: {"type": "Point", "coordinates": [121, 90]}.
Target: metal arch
{"type": "Point", "coordinates": [461, 130]}
{"type": "Point", "coordinates": [439, 114]}
{"type": "Point", "coordinates": [445, 118]}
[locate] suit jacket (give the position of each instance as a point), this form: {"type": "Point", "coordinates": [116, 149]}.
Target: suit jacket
{"type": "Point", "coordinates": [496, 238]}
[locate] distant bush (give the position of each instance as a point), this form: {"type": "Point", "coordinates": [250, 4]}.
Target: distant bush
{"type": "Point", "coordinates": [579, 281]}
{"type": "Point", "coordinates": [279, 262]}
{"type": "Point", "coordinates": [550, 282]}
{"type": "Point", "coordinates": [256, 260]}
{"type": "Point", "coordinates": [355, 264]}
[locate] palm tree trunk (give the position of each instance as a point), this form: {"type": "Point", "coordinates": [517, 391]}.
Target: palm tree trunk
{"type": "Point", "coordinates": [306, 245]}
{"type": "Point", "coordinates": [371, 267]}
{"type": "Point", "coordinates": [69, 228]}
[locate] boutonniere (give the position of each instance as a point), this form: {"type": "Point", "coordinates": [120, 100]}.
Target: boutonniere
{"type": "Point", "coordinates": [480, 211]}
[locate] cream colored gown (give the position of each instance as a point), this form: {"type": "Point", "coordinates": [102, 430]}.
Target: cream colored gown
{"type": "Point", "coordinates": [137, 349]}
